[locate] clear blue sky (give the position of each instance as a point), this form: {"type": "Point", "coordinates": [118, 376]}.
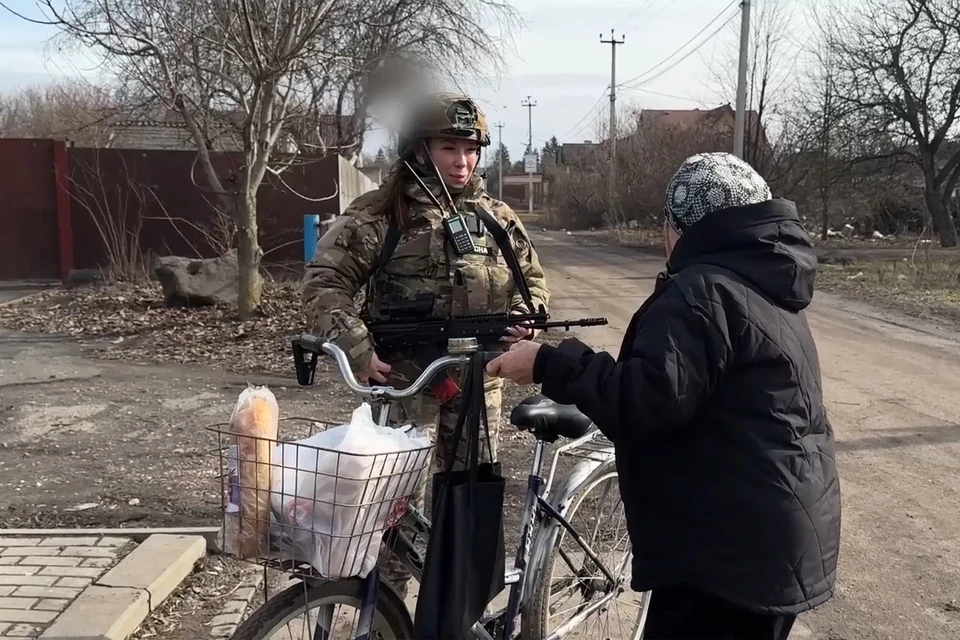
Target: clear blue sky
{"type": "Point", "coordinates": [558, 60]}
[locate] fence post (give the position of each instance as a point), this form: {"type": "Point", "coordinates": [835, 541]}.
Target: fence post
{"type": "Point", "coordinates": [311, 233]}
{"type": "Point", "coordinates": [61, 182]}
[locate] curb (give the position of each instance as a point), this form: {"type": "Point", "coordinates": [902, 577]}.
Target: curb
{"type": "Point", "coordinates": [232, 614]}
{"type": "Point", "coordinates": [137, 535]}
{"type": "Point", "coordinates": [9, 303]}
{"type": "Point", "coordinates": [30, 288]}
{"type": "Point", "coordinates": [115, 605]}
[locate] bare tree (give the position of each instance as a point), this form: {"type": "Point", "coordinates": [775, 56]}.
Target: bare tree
{"type": "Point", "coordinates": [898, 87]}
{"type": "Point", "coordinates": [78, 111]}
{"type": "Point", "coordinates": [772, 87]}
{"type": "Point", "coordinates": [269, 77]}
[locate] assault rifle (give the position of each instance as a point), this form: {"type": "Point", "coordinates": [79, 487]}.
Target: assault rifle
{"type": "Point", "coordinates": [404, 328]}
{"type": "Point", "coordinates": [488, 329]}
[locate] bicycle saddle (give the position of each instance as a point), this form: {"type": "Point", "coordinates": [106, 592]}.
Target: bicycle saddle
{"type": "Point", "coordinates": [548, 421]}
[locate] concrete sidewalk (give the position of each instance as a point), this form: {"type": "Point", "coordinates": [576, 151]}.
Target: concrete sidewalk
{"type": "Point", "coordinates": [13, 290]}
{"type": "Point", "coordinates": [87, 586]}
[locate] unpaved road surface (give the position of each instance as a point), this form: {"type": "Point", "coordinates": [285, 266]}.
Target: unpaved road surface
{"type": "Point", "coordinates": [81, 439]}
{"type": "Point", "coordinates": [893, 390]}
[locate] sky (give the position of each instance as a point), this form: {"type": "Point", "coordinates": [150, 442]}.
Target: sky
{"type": "Point", "coordinates": [557, 60]}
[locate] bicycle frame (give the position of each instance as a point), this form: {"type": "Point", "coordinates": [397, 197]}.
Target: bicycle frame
{"type": "Point", "coordinates": [542, 517]}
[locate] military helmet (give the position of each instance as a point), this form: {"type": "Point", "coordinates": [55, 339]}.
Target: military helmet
{"type": "Point", "coordinates": [445, 115]}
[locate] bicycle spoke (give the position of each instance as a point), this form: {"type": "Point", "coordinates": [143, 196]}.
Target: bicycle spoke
{"type": "Point", "coordinates": [581, 602]}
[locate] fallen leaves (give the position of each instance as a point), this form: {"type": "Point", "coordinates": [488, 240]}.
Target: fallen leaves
{"type": "Point", "coordinates": [131, 323]}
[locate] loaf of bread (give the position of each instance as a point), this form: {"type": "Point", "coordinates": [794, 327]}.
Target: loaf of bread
{"type": "Point", "coordinates": [254, 424]}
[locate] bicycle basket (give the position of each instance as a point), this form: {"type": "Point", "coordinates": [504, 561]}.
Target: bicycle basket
{"type": "Point", "coordinates": [313, 505]}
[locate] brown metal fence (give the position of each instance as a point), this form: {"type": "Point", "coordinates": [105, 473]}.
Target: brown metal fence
{"type": "Point", "coordinates": [64, 207]}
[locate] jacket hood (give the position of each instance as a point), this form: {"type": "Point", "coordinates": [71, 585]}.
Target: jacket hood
{"type": "Point", "coordinates": [763, 243]}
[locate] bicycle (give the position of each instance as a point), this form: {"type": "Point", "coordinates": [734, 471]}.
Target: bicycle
{"type": "Point", "coordinates": [531, 583]}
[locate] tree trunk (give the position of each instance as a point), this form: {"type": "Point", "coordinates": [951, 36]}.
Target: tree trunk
{"type": "Point", "coordinates": [824, 220]}
{"type": "Point", "coordinates": [942, 220]}
{"type": "Point", "coordinates": [249, 254]}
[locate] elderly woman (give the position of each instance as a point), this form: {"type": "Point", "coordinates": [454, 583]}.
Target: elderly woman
{"type": "Point", "coordinates": [715, 406]}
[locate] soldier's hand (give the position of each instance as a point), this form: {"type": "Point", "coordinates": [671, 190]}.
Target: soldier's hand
{"type": "Point", "coordinates": [377, 370]}
{"type": "Point", "coordinates": [519, 332]}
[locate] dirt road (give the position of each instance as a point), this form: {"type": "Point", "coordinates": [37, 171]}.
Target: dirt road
{"type": "Point", "coordinates": [91, 442]}
{"type": "Point", "coordinates": [892, 389]}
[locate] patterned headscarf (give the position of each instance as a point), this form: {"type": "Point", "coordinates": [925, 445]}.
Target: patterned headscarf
{"type": "Point", "coordinates": [709, 182]}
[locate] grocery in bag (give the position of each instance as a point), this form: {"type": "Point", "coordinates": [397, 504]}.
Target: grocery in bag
{"type": "Point", "coordinates": [335, 492]}
{"type": "Point", "coordinates": [254, 426]}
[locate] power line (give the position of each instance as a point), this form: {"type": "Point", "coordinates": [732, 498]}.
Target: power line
{"type": "Point", "coordinates": [687, 55]}
{"type": "Point", "coordinates": [665, 95]}
{"type": "Point", "coordinates": [633, 15]}
{"type": "Point", "coordinates": [586, 115]}
{"type": "Point", "coordinates": [681, 47]}
{"type": "Point", "coordinates": [656, 13]}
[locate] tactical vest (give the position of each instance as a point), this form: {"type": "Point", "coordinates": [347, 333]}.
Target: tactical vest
{"type": "Point", "coordinates": [421, 265]}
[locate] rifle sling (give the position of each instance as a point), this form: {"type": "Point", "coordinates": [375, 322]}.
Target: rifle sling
{"type": "Point", "coordinates": [390, 242]}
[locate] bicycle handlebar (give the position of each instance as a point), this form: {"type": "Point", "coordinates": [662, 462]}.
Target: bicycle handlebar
{"type": "Point", "coordinates": [315, 344]}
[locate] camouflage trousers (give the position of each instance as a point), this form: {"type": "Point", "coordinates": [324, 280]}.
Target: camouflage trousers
{"type": "Point", "coordinates": [439, 421]}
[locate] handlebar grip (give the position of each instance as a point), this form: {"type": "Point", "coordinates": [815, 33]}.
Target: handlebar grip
{"type": "Point", "coordinates": [311, 343]}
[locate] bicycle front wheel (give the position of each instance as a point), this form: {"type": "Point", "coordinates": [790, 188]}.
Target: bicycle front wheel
{"type": "Point", "coordinates": [293, 614]}
{"type": "Point", "coordinates": [571, 596]}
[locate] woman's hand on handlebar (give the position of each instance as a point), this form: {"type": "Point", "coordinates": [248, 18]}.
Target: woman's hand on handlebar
{"type": "Point", "coordinates": [377, 371]}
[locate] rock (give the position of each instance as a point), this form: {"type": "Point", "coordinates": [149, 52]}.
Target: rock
{"type": "Point", "coordinates": [80, 277]}
{"type": "Point", "coordinates": [198, 282]}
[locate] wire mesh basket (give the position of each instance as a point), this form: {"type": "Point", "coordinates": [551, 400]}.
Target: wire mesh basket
{"type": "Point", "coordinates": [306, 508]}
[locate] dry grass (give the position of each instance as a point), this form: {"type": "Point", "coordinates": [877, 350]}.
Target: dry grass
{"type": "Point", "coordinates": [927, 285]}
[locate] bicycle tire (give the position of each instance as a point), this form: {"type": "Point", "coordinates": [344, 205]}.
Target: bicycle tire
{"type": "Point", "coordinates": [534, 620]}
{"type": "Point", "coordinates": [284, 606]}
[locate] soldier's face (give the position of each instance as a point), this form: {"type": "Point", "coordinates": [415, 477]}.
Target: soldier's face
{"type": "Point", "coordinates": [456, 160]}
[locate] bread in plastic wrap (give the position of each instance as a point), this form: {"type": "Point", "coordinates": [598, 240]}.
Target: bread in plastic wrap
{"type": "Point", "coordinates": [254, 424]}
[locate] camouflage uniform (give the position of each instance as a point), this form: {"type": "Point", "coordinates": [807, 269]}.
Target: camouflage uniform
{"type": "Point", "coordinates": [423, 262]}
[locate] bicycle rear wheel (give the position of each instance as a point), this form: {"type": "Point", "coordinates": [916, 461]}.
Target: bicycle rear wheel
{"type": "Point", "coordinates": [568, 583]}
{"type": "Point", "coordinates": [293, 614]}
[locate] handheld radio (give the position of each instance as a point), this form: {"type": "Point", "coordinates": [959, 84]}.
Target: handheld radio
{"type": "Point", "coordinates": [459, 235]}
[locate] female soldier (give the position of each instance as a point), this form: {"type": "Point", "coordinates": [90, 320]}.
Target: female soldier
{"type": "Point", "coordinates": [393, 243]}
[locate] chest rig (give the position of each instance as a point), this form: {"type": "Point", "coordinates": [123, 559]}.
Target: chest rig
{"type": "Point", "coordinates": [487, 238]}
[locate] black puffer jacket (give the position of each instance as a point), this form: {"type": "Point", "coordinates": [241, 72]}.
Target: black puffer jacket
{"type": "Point", "coordinates": [724, 451]}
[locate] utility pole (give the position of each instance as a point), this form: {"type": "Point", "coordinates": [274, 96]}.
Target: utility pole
{"type": "Point", "coordinates": [741, 114]}
{"type": "Point", "coordinates": [529, 105]}
{"type": "Point", "coordinates": [612, 198]}
{"type": "Point", "coordinates": [824, 157]}
{"type": "Point", "coordinates": [499, 127]}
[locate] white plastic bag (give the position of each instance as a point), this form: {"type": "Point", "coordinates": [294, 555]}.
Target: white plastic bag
{"type": "Point", "coordinates": [333, 504]}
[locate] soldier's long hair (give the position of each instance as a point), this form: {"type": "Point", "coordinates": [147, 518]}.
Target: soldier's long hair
{"type": "Point", "coordinates": [396, 202]}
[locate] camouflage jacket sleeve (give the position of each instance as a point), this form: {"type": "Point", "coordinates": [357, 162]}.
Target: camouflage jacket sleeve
{"type": "Point", "coordinates": [345, 258]}
{"type": "Point", "coordinates": [528, 259]}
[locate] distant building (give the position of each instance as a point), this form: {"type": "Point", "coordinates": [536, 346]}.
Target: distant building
{"type": "Point", "coordinates": [166, 129]}
{"type": "Point", "coordinates": [718, 121]}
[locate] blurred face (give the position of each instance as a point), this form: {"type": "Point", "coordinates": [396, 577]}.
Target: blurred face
{"type": "Point", "coordinates": [670, 238]}
{"type": "Point", "coordinates": [455, 159]}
